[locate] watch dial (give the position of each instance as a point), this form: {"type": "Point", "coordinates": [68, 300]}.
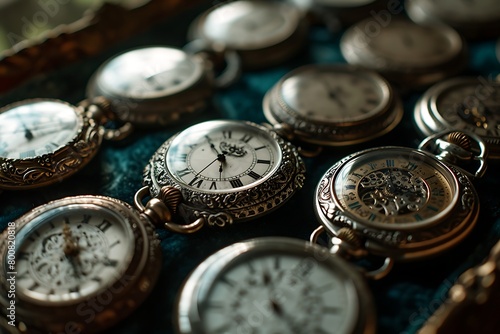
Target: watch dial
{"type": "Point", "coordinates": [395, 188]}
{"type": "Point", "coordinates": [276, 292]}
{"type": "Point", "coordinates": [251, 24]}
{"type": "Point", "coordinates": [471, 105]}
{"type": "Point", "coordinates": [223, 156]}
{"type": "Point", "coordinates": [149, 73]}
{"type": "Point", "coordinates": [34, 128]}
{"type": "Point", "coordinates": [333, 95]}
{"type": "Point", "coordinates": [72, 252]}
{"type": "Point", "coordinates": [462, 10]}
{"type": "Point", "coordinates": [408, 44]}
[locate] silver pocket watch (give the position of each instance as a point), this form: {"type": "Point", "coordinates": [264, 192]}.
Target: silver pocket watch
{"type": "Point", "coordinates": [220, 172]}
{"type": "Point", "coordinates": [44, 141]}
{"type": "Point", "coordinates": [79, 263]}
{"type": "Point", "coordinates": [332, 105]}
{"type": "Point", "coordinates": [406, 53]}
{"type": "Point", "coordinates": [263, 33]}
{"type": "Point", "coordinates": [158, 85]}
{"type": "Point", "coordinates": [402, 203]}
{"type": "Point", "coordinates": [274, 285]}
{"type": "Point", "coordinates": [466, 103]}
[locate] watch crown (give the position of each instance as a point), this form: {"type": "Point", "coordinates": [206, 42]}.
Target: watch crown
{"type": "Point", "coordinates": [171, 197]}
{"type": "Point", "coordinates": [460, 139]}
{"type": "Point", "coordinates": [348, 235]}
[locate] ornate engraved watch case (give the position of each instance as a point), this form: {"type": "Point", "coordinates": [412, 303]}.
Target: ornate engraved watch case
{"type": "Point", "coordinates": [221, 172]}
{"type": "Point", "coordinates": [152, 86]}
{"type": "Point", "coordinates": [475, 20]}
{"type": "Point", "coordinates": [404, 52]}
{"type": "Point", "coordinates": [332, 105]}
{"type": "Point", "coordinates": [402, 203]}
{"type": "Point", "coordinates": [263, 33]}
{"type": "Point", "coordinates": [293, 286]}
{"type": "Point", "coordinates": [82, 263]}
{"type": "Point", "coordinates": [467, 103]}
{"type": "Point", "coordinates": [44, 141]}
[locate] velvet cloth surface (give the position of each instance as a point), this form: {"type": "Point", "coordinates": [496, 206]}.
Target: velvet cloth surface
{"type": "Point", "coordinates": [404, 299]}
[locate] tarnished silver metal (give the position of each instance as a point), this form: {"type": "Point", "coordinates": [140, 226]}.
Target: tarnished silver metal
{"type": "Point", "coordinates": [332, 105]}
{"type": "Point", "coordinates": [44, 141]}
{"type": "Point", "coordinates": [292, 281]}
{"type": "Point", "coordinates": [408, 54]}
{"type": "Point", "coordinates": [263, 33]}
{"type": "Point", "coordinates": [469, 104]}
{"type": "Point", "coordinates": [155, 85]}
{"type": "Point", "coordinates": [400, 202]}
{"type": "Point", "coordinates": [227, 171]}
{"type": "Point", "coordinates": [72, 251]}
{"type": "Point", "coordinates": [455, 148]}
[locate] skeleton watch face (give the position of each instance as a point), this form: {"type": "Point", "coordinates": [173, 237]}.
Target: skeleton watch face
{"type": "Point", "coordinates": [292, 286]}
{"type": "Point", "coordinates": [78, 249]}
{"type": "Point", "coordinates": [468, 104]}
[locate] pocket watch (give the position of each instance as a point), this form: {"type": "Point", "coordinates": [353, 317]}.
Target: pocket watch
{"type": "Point", "coordinates": [274, 285]}
{"type": "Point", "coordinates": [404, 52]}
{"type": "Point", "coordinates": [474, 20]}
{"type": "Point", "coordinates": [340, 13]}
{"type": "Point", "coordinates": [155, 85]}
{"type": "Point", "coordinates": [263, 33]}
{"type": "Point", "coordinates": [466, 103]}
{"type": "Point", "coordinates": [43, 141]}
{"type": "Point", "coordinates": [403, 203]}
{"type": "Point", "coordinates": [333, 105]}
{"type": "Point", "coordinates": [79, 263]}
{"type": "Point", "coordinates": [220, 172]}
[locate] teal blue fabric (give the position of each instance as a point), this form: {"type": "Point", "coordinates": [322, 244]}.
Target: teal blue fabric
{"type": "Point", "coordinates": [404, 299]}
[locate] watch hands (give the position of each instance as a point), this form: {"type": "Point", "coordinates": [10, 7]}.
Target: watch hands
{"type": "Point", "coordinates": [334, 92]}
{"type": "Point", "coordinates": [27, 132]}
{"type": "Point", "coordinates": [72, 250]}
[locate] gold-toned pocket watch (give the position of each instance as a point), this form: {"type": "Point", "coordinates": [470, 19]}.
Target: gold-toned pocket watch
{"type": "Point", "coordinates": [402, 203]}
{"type": "Point", "coordinates": [82, 263]}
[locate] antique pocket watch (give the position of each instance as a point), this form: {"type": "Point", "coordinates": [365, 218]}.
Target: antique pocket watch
{"type": "Point", "coordinates": [475, 20]}
{"type": "Point", "coordinates": [274, 285]}
{"type": "Point", "coordinates": [79, 263]}
{"type": "Point", "coordinates": [404, 52]}
{"type": "Point", "coordinates": [43, 141]}
{"type": "Point", "coordinates": [263, 33]}
{"type": "Point", "coordinates": [403, 203]}
{"type": "Point", "coordinates": [332, 105]}
{"type": "Point", "coordinates": [219, 172]}
{"type": "Point", "coordinates": [466, 103]}
{"type": "Point", "coordinates": [156, 85]}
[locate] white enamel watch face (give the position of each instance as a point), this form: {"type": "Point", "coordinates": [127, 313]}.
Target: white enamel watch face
{"type": "Point", "coordinates": [222, 156]}
{"type": "Point", "coordinates": [148, 73]}
{"type": "Point", "coordinates": [35, 128]}
{"type": "Point", "coordinates": [272, 285]}
{"type": "Point", "coordinates": [76, 250]}
{"type": "Point", "coordinates": [335, 96]}
{"type": "Point", "coordinates": [460, 11]}
{"type": "Point", "coordinates": [247, 25]}
{"type": "Point", "coordinates": [395, 189]}
{"type": "Point", "coordinates": [72, 253]}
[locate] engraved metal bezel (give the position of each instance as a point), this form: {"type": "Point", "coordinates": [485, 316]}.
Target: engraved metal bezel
{"type": "Point", "coordinates": [163, 108]}
{"type": "Point", "coordinates": [127, 291]}
{"type": "Point", "coordinates": [40, 171]}
{"type": "Point", "coordinates": [188, 318]}
{"type": "Point", "coordinates": [222, 208]}
{"type": "Point", "coordinates": [387, 115]}
{"type": "Point", "coordinates": [416, 240]}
